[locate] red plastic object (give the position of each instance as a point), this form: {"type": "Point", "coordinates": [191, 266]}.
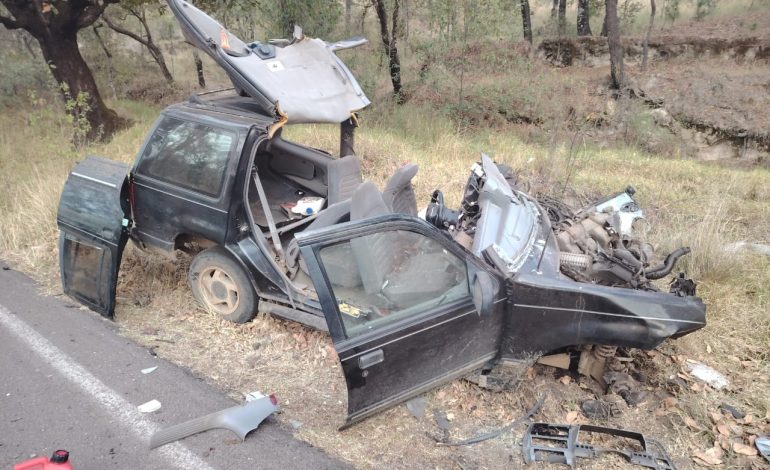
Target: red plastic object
{"type": "Point", "coordinates": [58, 461]}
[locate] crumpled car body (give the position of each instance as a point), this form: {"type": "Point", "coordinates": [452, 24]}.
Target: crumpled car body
{"type": "Point", "coordinates": [410, 302]}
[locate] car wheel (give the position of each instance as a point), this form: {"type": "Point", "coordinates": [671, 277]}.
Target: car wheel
{"type": "Point", "coordinates": [222, 286]}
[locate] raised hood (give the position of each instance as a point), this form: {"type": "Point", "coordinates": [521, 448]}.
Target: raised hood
{"type": "Point", "coordinates": [301, 81]}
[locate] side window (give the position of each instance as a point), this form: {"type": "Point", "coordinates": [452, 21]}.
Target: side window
{"type": "Point", "coordinates": [380, 278]}
{"type": "Point", "coordinates": [191, 155]}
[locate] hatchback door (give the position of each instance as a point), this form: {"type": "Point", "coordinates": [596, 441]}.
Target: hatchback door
{"type": "Point", "coordinates": [404, 306]}
{"type": "Point", "coordinates": [303, 81]}
{"type": "Point", "coordinates": [93, 221]}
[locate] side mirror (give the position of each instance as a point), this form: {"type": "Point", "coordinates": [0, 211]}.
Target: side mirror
{"type": "Point", "coordinates": [483, 292]}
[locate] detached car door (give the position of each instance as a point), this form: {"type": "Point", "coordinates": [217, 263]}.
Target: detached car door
{"type": "Point", "coordinates": [93, 221]}
{"type": "Point", "coordinates": [397, 296]}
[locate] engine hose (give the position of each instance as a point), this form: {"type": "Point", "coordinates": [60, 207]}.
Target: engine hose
{"type": "Point", "coordinates": [668, 264]}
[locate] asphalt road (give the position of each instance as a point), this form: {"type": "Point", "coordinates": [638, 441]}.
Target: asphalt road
{"type": "Point", "coordinates": [69, 381]}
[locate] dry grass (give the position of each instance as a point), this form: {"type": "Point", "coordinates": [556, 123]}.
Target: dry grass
{"type": "Point", "coordinates": [702, 205]}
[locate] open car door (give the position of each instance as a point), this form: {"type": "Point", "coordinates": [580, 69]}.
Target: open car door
{"type": "Point", "coordinates": [302, 81]}
{"type": "Point", "coordinates": [406, 306]}
{"type": "Point", "coordinates": [93, 221]}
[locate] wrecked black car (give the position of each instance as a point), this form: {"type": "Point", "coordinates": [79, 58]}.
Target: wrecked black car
{"type": "Point", "coordinates": [410, 302]}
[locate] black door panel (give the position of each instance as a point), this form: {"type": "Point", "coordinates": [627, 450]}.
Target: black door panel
{"type": "Point", "coordinates": [396, 296]}
{"type": "Point", "coordinates": [93, 219]}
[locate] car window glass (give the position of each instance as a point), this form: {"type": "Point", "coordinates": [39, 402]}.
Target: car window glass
{"type": "Point", "coordinates": [380, 278]}
{"type": "Point", "coordinates": [188, 154]}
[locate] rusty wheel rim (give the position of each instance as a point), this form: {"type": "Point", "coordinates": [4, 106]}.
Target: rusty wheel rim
{"type": "Point", "coordinates": [219, 291]}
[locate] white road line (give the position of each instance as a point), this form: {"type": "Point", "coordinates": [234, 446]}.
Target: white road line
{"type": "Point", "coordinates": [176, 454]}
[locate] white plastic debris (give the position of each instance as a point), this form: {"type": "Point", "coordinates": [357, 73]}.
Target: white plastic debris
{"type": "Point", "coordinates": [704, 373]}
{"type": "Point", "coordinates": [149, 370]}
{"type": "Point", "coordinates": [149, 407]}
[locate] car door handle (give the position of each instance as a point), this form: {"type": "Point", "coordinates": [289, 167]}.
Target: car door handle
{"type": "Point", "coordinates": [371, 358]}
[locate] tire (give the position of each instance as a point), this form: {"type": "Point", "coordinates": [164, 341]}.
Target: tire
{"type": "Point", "coordinates": [222, 286]}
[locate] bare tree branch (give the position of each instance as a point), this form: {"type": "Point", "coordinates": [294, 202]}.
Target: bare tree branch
{"type": "Point", "coordinates": [124, 31]}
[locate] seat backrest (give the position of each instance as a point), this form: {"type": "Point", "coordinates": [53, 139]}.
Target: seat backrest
{"type": "Point", "coordinates": [343, 177]}
{"type": "Point", "coordinates": [332, 215]}
{"type": "Point", "coordinates": [373, 253]}
{"type": "Point", "coordinates": [399, 192]}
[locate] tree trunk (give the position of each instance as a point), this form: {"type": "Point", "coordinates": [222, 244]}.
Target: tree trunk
{"type": "Point", "coordinates": [647, 36]}
{"type": "Point", "coordinates": [554, 8]}
{"type": "Point", "coordinates": [362, 25]}
{"type": "Point", "coordinates": [613, 40]}
{"type": "Point", "coordinates": [70, 70]}
{"type": "Point", "coordinates": [603, 33]}
{"type": "Point", "coordinates": [583, 19]}
{"type": "Point", "coordinates": [348, 12]}
{"type": "Point", "coordinates": [562, 17]}
{"type": "Point", "coordinates": [199, 69]}
{"type": "Point", "coordinates": [110, 68]}
{"type": "Point", "coordinates": [526, 20]}
{"type": "Point", "coordinates": [389, 43]}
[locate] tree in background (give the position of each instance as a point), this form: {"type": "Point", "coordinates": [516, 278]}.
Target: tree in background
{"type": "Point", "coordinates": [583, 18]}
{"type": "Point", "coordinates": [55, 25]}
{"type": "Point", "coordinates": [137, 9]}
{"type": "Point", "coordinates": [613, 40]}
{"type": "Point", "coordinates": [646, 45]}
{"type": "Point", "coordinates": [317, 18]}
{"type": "Point", "coordinates": [562, 17]}
{"type": "Point", "coordinates": [526, 20]}
{"type": "Point", "coordinates": [389, 37]}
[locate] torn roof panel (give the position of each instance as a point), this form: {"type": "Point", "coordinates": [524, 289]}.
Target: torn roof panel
{"type": "Point", "coordinates": [303, 81]}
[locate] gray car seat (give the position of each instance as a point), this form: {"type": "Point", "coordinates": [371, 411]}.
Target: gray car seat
{"type": "Point", "coordinates": [343, 177]}
{"type": "Point", "coordinates": [334, 214]}
{"type": "Point", "coordinates": [399, 194]}
{"type": "Point", "coordinates": [374, 253]}
{"type": "Point", "coordinates": [388, 267]}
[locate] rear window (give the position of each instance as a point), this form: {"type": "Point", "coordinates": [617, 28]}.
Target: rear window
{"type": "Point", "coordinates": [188, 154]}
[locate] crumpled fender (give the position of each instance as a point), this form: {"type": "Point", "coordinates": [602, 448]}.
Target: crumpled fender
{"type": "Point", "coordinates": [240, 419]}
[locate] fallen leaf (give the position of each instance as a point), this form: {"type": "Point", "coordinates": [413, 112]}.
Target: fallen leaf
{"type": "Point", "coordinates": [723, 442]}
{"type": "Point", "coordinates": [696, 387]}
{"type": "Point", "coordinates": [708, 348]}
{"type": "Point", "coordinates": [748, 419]}
{"type": "Point", "coordinates": [743, 449]}
{"type": "Point", "coordinates": [723, 429]}
{"type": "Point", "coordinates": [565, 380]}
{"type": "Point", "coordinates": [747, 364]}
{"type": "Point", "coordinates": [572, 417]}
{"type": "Point", "coordinates": [670, 403]}
{"type": "Point", "coordinates": [691, 423]}
{"type": "Point", "coordinates": [450, 416]}
{"type": "Point", "coordinates": [652, 353]}
{"type": "Point", "coordinates": [684, 376]}
{"type": "Point", "coordinates": [709, 457]}
{"type": "Point", "coordinates": [716, 417]}
{"type": "Point", "coordinates": [530, 373]}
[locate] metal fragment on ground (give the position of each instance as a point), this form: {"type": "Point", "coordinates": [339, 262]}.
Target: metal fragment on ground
{"type": "Point", "coordinates": [763, 446]}
{"type": "Point", "coordinates": [559, 443]}
{"type": "Point", "coordinates": [239, 419]}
